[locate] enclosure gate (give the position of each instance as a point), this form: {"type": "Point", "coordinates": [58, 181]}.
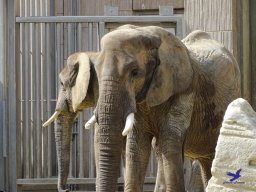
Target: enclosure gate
{"type": "Point", "coordinates": [43, 44]}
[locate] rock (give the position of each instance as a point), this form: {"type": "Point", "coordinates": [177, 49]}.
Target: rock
{"type": "Point", "coordinates": [234, 165]}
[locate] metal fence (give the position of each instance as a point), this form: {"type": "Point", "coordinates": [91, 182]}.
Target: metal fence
{"type": "Point", "coordinates": [43, 43]}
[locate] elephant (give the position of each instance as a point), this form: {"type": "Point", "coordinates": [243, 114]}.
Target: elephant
{"type": "Point", "coordinates": [145, 84]}
{"type": "Point", "coordinates": [78, 90]}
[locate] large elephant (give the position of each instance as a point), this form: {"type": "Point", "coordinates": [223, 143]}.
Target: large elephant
{"type": "Point", "coordinates": [177, 92]}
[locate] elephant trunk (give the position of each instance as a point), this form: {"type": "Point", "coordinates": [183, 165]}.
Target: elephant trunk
{"type": "Point", "coordinates": [110, 116]}
{"type": "Point", "coordinates": [63, 133]}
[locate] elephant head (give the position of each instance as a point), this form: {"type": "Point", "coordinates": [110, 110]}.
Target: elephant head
{"type": "Point", "coordinates": [78, 89]}
{"type": "Point", "coordinates": [137, 65]}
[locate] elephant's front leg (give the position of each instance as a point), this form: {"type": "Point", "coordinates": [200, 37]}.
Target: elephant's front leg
{"type": "Point", "coordinates": [172, 163]}
{"type": "Point", "coordinates": [138, 149]}
{"type": "Point", "coordinates": [173, 128]}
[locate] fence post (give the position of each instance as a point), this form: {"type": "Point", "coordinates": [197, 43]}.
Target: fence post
{"type": "Point", "coordinates": [11, 94]}
{"type": "Point", "coordinates": [2, 98]}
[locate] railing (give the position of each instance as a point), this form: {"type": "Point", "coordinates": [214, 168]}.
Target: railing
{"type": "Point", "coordinates": [45, 43]}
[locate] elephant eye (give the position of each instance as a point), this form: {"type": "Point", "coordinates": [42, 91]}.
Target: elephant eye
{"type": "Point", "coordinates": [136, 73]}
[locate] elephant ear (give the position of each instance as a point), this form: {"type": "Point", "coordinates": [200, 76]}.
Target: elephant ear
{"type": "Point", "coordinates": [76, 77]}
{"type": "Point", "coordinates": [174, 74]}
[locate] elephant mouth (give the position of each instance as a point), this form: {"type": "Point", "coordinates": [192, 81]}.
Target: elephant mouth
{"type": "Point", "coordinates": [130, 121]}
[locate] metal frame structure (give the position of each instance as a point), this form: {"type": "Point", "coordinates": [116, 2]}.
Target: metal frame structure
{"type": "Point", "coordinates": [11, 25]}
{"type": "Point", "coordinates": [176, 19]}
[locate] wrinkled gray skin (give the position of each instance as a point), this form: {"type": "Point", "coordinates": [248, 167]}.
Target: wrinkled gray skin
{"type": "Point", "coordinates": [178, 91]}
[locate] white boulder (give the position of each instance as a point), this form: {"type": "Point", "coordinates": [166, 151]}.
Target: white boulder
{"type": "Point", "coordinates": [234, 165]}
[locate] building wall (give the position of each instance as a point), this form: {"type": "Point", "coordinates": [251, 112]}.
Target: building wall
{"type": "Point", "coordinates": [125, 7]}
{"type": "Point", "coordinates": [214, 17]}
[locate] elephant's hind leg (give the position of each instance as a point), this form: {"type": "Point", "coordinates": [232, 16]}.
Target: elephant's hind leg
{"type": "Point", "coordinates": [205, 165]}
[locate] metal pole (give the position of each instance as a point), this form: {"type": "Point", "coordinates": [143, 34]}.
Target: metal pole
{"type": "Point", "coordinates": [2, 99]}
{"type": "Point", "coordinates": [11, 91]}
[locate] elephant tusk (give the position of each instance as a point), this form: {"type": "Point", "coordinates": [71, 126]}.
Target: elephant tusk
{"type": "Point", "coordinates": [52, 118]}
{"type": "Point", "coordinates": [90, 123]}
{"type": "Point", "coordinates": [129, 124]}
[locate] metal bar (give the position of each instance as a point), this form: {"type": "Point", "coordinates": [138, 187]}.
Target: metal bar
{"type": "Point", "coordinates": [33, 101]}
{"type": "Point", "coordinates": [94, 19]}
{"type": "Point", "coordinates": [58, 55]}
{"type": "Point", "coordinates": [81, 146]}
{"type": "Point", "coordinates": [32, 86]}
{"type": "Point", "coordinates": [49, 50]}
{"type": "Point", "coordinates": [79, 37]}
{"type": "Point", "coordinates": [101, 32]}
{"type": "Point", "coordinates": [71, 38]}
{"type": "Point", "coordinates": [48, 97]}
{"type": "Point", "coordinates": [90, 36]}
{"type": "Point", "coordinates": [51, 7]}
{"type": "Point", "coordinates": [26, 120]}
{"type": "Point", "coordinates": [22, 84]}
{"type": "Point", "coordinates": [38, 111]}
{"type": "Point", "coordinates": [43, 91]}
{"type": "Point", "coordinates": [11, 91]}
{"type": "Point", "coordinates": [75, 147]}
{"type": "Point", "coordinates": [97, 37]}
{"type": "Point", "coordinates": [2, 92]}
{"type": "Point", "coordinates": [19, 95]}
{"type": "Point", "coordinates": [37, 102]}
{"type": "Point", "coordinates": [43, 99]}
{"type": "Point", "coordinates": [33, 91]}
{"type": "Point", "coordinates": [28, 98]}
